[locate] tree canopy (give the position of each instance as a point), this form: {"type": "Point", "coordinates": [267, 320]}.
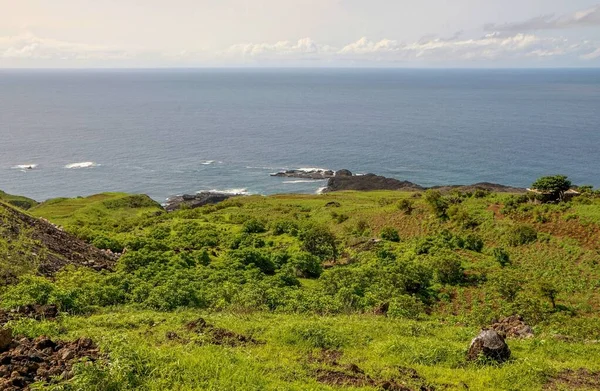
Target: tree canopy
{"type": "Point", "coordinates": [553, 185]}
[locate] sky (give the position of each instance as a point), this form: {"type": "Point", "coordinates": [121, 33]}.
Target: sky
{"type": "Point", "coordinates": [299, 33]}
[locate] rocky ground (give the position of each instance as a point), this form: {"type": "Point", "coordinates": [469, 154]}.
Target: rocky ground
{"type": "Point", "coordinates": [24, 361]}
{"type": "Point", "coordinates": [60, 248]}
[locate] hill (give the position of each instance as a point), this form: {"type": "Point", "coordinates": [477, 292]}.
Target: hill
{"type": "Point", "coordinates": [346, 290]}
{"type": "Point", "coordinates": [18, 201]}
{"type": "Point", "coordinates": [29, 244]}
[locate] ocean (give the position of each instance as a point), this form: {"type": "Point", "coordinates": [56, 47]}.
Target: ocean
{"type": "Point", "coordinates": [167, 132]}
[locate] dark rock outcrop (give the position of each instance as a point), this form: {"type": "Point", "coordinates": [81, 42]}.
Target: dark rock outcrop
{"type": "Point", "coordinates": [305, 174]}
{"type": "Point", "coordinates": [369, 182]}
{"type": "Point", "coordinates": [191, 201]}
{"type": "Point", "coordinates": [343, 172]}
{"type": "Point", "coordinates": [25, 361]}
{"type": "Point", "coordinates": [489, 344]}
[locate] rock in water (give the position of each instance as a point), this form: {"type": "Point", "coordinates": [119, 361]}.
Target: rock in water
{"type": "Point", "coordinates": [367, 182]}
{"type": "Point", "coordinates": [489, 344]}
{"type": "Point", "coordinates": [343, 172]}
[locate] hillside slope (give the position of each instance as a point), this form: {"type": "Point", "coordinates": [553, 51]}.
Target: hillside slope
{"type": "Point", "coordinates": [40, 244]}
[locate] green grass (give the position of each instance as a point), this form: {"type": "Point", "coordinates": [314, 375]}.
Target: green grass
{"type": "Point", "coordinates": [18, 201]}
{"type": "Point", "coordinates": [198, 263]}
{"type": "Point", "coordinates": [143, 358]}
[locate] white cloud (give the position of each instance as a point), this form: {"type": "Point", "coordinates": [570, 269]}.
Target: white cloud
{"type": "Point", "coordinates": [303, 46]}
{"type": "Point", "coordinates": [586, 18]}
{"type": "Point", "coordinates": [493, 46]}
{"type": "Point", "coordinates": [29, 50]}
{"type": "Point", "coordinates": [28, 46]}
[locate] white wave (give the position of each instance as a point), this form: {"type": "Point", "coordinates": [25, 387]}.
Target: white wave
{"type": "Point", "coordinates": [227, 191]}
{"type": "Point", "coordinates": [313, 169]}
{"type": "Point", "coordinates": [320, 190]}
{"type": "Point", "coordinates": [82, 165]}
{"type": "Point", "coordinates": [207, 162]}
{"type": "Point", "coordinates": [303, 181]}
{"type": "Point", "coordinates": [266, 168]}
{"type": "Point", "coordinates": [25, 166]}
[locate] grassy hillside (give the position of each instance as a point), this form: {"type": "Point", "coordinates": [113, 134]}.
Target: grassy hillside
{"type": "Point", "coordinates": [357, 291]}
{"type": "Point", "coordinates": [18, 201]}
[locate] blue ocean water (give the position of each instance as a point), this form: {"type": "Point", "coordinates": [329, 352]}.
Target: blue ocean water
{"type": "Point", "coordinates": [165, 132]}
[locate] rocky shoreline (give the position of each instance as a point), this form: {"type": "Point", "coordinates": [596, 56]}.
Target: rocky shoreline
{"type": "Point", "coordinates": [316, 174]}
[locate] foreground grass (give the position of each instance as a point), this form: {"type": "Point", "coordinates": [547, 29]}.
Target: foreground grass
{"type": "Point", "coordinates": [286, 357]}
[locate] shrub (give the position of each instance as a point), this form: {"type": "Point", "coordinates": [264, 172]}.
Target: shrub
{"type": "Point", "coordinates": [319, 241]}
{"type": "Point", "coordinates": [437, 203]}
{"type": "Point", "coordinates": [405, 306]}
{"type": "Point", "coordinates": [389, 234]}
{"type": "Point", "coordinates": [253, 226]}
{"type": "Point", "coordinates": [250, 256]}
{"type": "Point", "coordinates": [307, 265]}
{"type": "Point", "coordinates": [521, 234]}
{"type": "Point", "coordinates": [281, 227]}
{"type": "Point", "coordinates": [406, 206]}
{"type": "Point", "coordinates": [447, 267]}
{"type": "Point", "coordinates": [501, 256]}
{"type": "Point", "coordinates": [473, 242]}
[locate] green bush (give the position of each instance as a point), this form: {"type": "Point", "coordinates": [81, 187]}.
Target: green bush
{"type": "Point", "coordinates": [438, 204]}
{"type": "Point", "coordinates": [405, 306]}
{"type": "Point", "coordinates": [319, 241]}
{"type": "Point", "coordinates": [447, 267]}
{"type": "Point", "coordinates": [520, 234]}
{"type": "Point", "coordinates": [389, 234]}
{"type": "Point", "coordinates": [473, 242]}
{"type": "Point", "coordinates": [406, 206]}
{"type": "Point", "coordinates": [254, 226]}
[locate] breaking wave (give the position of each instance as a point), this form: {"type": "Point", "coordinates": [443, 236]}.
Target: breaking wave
{"type": "Point", "coordinates": [82, 165]}
{"type": "Point", "coordinates": [228, 191]}
{"type": "Point", "coordinates": [25, 166]}
{"type": "Point", "coordinates": [302, 181]}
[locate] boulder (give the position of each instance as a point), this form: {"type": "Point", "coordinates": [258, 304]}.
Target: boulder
{"type": "Point", "coordinates": [5, 339]}
{"type": "Point", "coordinates": [489, 344]}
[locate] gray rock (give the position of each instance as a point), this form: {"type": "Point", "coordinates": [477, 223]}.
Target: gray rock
{"type": "Point", "coordinates": [191, 201]}
{"type": "Point", "coordinates": [489, 344]}
{"type": "Point", "coordinates": [368, 182]}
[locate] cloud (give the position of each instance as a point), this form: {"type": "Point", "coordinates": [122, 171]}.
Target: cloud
{"type": "Point", "coordinates": [492, 49]}
{"type": "Point", "coordinates": [587, 18]}
{"type": "Point", "coordinates": [304, 46]}
{"type": "Point", "coordinates": [28, 46]}
{"type": "Point", "coordinates": [493, 46]}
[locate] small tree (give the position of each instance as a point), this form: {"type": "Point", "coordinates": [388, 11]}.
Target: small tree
{"type": "Point", "coordinates": [553, 187]}
{"type": "Point", "coordinates": [438, 204]}
{"type": "Point", "coordinates": [319, 241]}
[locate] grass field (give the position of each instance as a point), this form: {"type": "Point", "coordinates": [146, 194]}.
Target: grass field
{"type": "Point", "coordinates": [350, 290]}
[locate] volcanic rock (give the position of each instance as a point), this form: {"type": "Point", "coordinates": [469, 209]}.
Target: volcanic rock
{"type": "Point", "coordinates": [192, 201]}
{"type": "Point", "coordinates": [305, 174]}
{"type": "Point", "coordinates": [489, 344]}
{"type": "Point", "coordinates": [369, 182]}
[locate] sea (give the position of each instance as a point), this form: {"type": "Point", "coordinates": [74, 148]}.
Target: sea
{"type": "Point", "coordinates": [163, 132]}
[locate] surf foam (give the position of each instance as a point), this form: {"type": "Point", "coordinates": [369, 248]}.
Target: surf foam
{"type": "Point", "coordinates": [82, 165]}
